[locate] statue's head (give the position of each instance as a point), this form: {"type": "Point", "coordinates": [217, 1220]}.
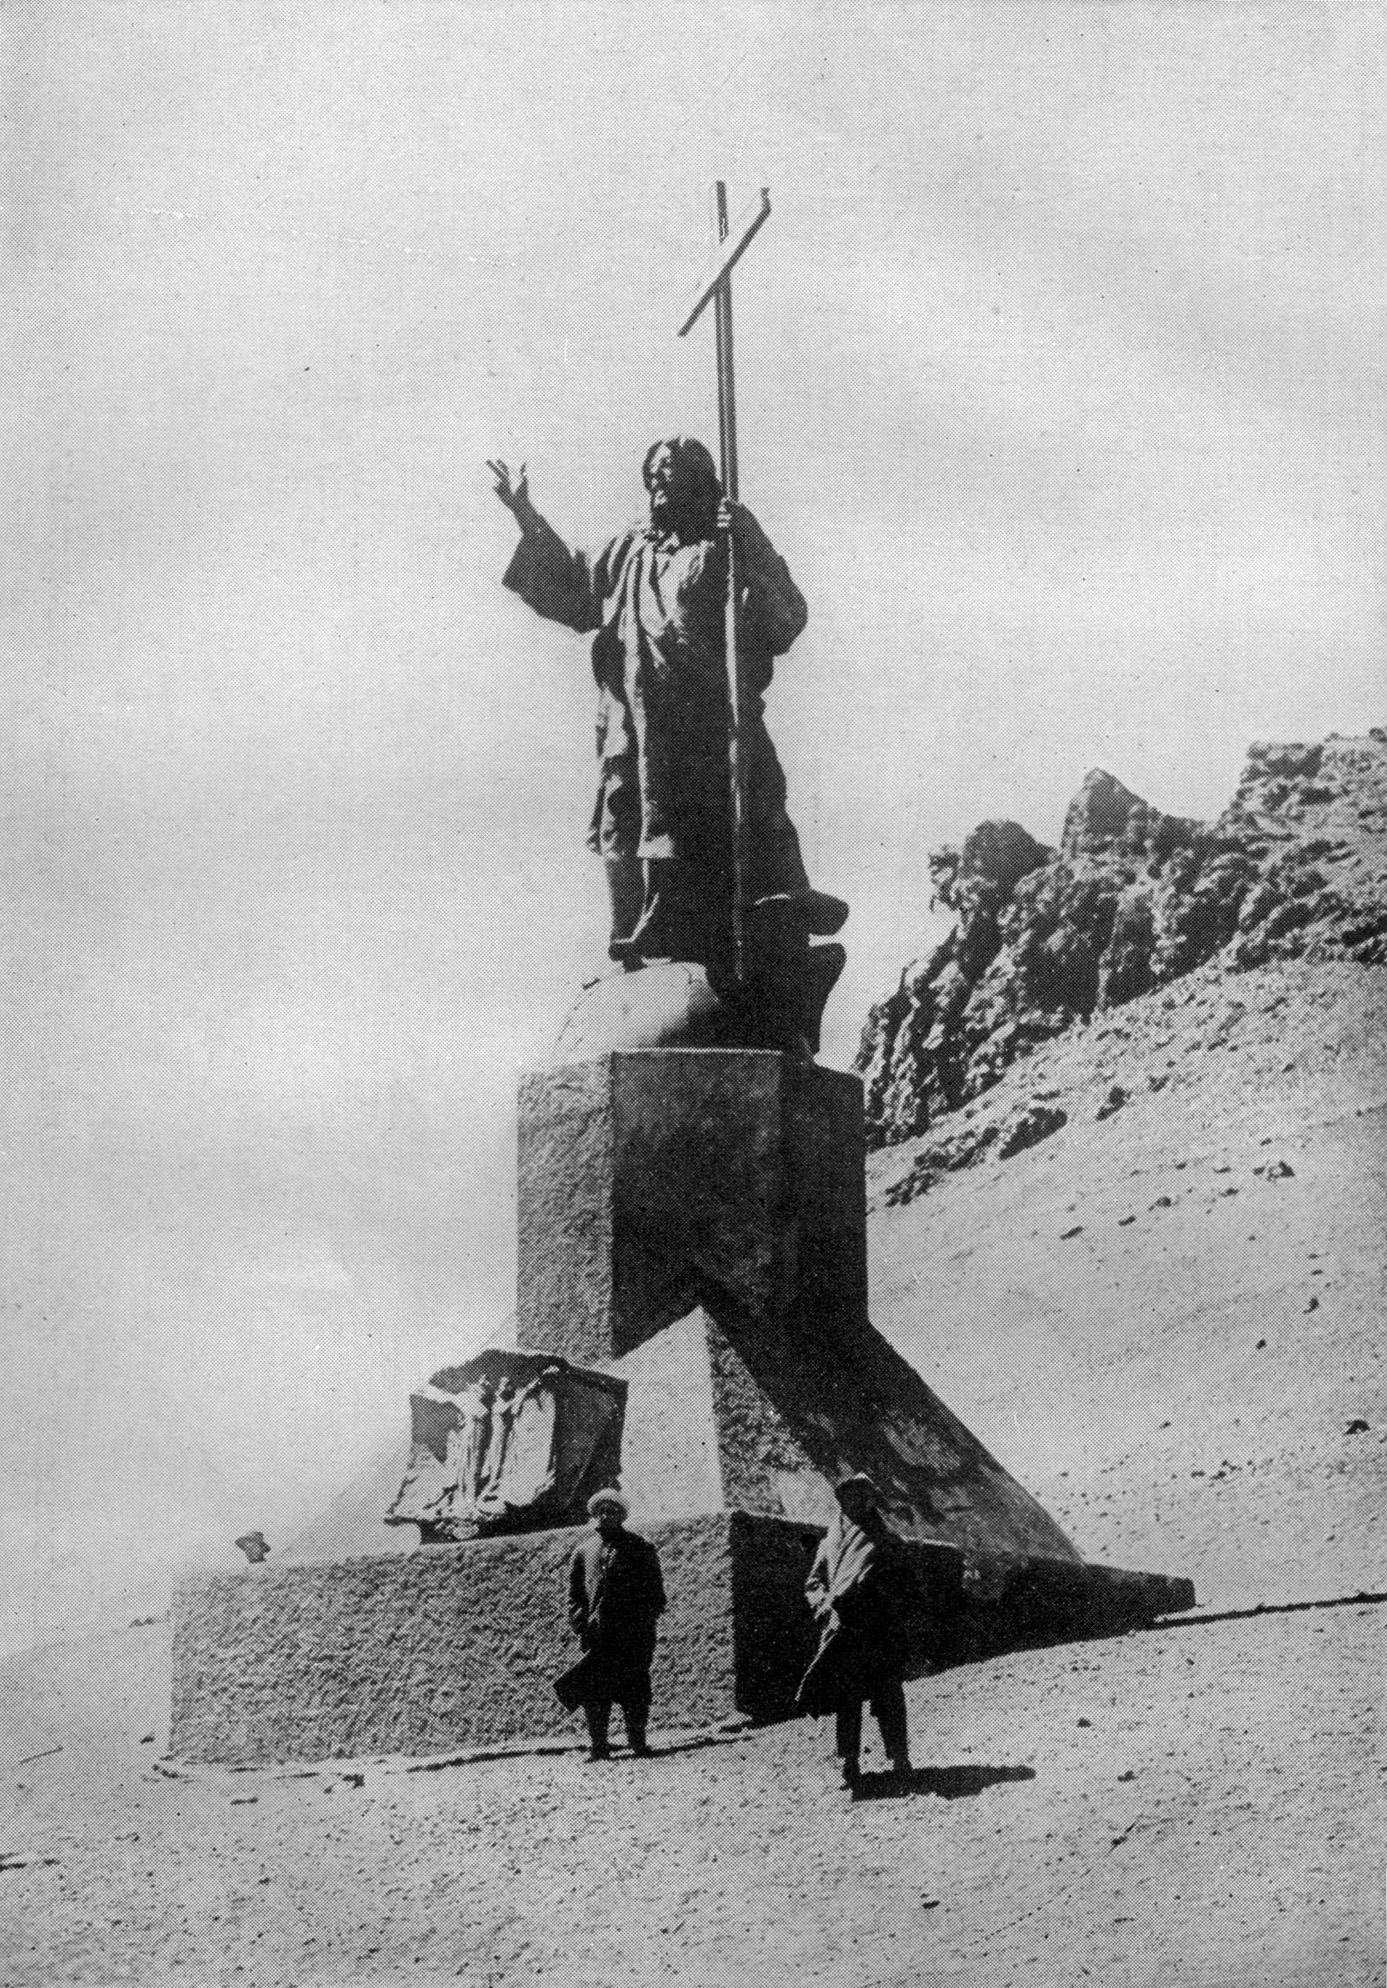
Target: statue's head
{"type": "Point", "coordinates": [682, 481]}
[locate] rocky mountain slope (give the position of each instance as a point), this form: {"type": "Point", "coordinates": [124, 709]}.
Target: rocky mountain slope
{"type": "Point", "coordinates": [1130, 1188]}
{"type": "Point", "coordinates": [1165, 1316]}
{"type": "Point", "coordinates": [1295, 867]}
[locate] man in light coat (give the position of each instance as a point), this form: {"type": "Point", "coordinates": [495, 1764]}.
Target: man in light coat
{"type": "Point", "coordinates": [860, 1590]}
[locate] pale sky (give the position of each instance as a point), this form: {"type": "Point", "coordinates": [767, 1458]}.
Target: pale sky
{"type": "Point", "coordinates": [1060, 370]}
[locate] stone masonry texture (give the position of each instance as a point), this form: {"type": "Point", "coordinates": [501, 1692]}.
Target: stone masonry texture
{"type": "Point", "coordinates": [700, 1199]}
{"type": "Point", "coordinates": [457, 1647]}
{"type": "Point", "coordinates": [564, 1288]}
{"type": "Point", "coordinates": [653, 1180]}
{"type": "Point", "coordinates": [447, 1648]}
{"type": "Point", "coordinates": [800, 1403]}
{"type": "Point", "coordinates": [694, 1223]}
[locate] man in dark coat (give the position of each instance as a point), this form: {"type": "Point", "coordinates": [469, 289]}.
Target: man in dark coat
{"type": "Point", "coordinates": [616, 1595]}
{"type": "Point", "coordinates": [654, 600]}
{"type": "Point", "coordinates": [860, 1589]}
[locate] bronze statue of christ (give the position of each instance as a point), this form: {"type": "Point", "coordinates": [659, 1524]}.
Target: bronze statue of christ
{"type": "Point", "coordinates": [654, 602]}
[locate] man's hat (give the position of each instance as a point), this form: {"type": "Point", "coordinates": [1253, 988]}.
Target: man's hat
{"type": "Point", "coordinates": [252, 1539]}
{"type": "Point", "coordinates": [610, 1496]}
{"type": "Point", "coordinates": [862, 1482]}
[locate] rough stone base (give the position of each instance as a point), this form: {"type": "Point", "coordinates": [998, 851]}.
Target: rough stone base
{"type": "Point", "coordinates": [448, 1647]}
{"type": "Point", "coordinates": [655, 1180]}
{"type": "Point", "coordinates": [457, 1646]}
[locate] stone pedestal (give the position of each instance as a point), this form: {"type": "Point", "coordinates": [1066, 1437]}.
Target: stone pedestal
{"type": "Point", "coordinates": [695, 1221]}
{"type": "Point", "coordinates": [458, 1646]}
{"type": "Point", "coordinates": [652, 1181]}
{"type": "Point", "coordinates": [691, 1223]}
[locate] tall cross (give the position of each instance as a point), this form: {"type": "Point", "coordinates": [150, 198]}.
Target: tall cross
{"type": "Point", "coordinates": [718, 291]}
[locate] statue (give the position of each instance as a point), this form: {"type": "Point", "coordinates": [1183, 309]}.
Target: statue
{"type": "Point", "coordinates": [532, 1450]}
{"type": "Point", "coordinates": [510, 1441]}
{"type": "Point", "coordinates": [654, 601]}
{"type": "Point", "coordinates": [523, 1461]}
{"type": "Point", "coordinates": [473, 1440]}
{"type": "Point", "coordinates": [502, 1419]}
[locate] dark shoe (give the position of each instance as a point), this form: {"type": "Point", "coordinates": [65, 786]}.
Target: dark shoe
{"type": "Point", "coordinates": [640, 1751]}
{"type": "Point", "coordinates": [901, 1769]}
{"type": "Point", "coordinates": [852, 1774]}
{"type": "Point", "coordinates": [599, 1753]}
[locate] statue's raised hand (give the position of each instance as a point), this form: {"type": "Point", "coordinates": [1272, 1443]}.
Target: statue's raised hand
{"type": "Point", "coordinates": [514, 492]}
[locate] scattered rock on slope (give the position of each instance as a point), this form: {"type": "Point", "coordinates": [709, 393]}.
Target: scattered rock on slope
{"type": "Point", "coordinates": [1296, 866]}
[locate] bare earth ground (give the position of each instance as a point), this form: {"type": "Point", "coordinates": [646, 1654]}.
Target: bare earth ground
{"type": "Point", "coordinates": [1196, 1804]}
{"type": "Point", "coordinates": [1199, 1803]}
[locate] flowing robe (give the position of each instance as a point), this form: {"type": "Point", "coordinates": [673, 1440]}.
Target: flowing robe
{"type": "Point", "coordinates": [522, 1468]}
{"type": "Point", "coordinates": [859, 1589]}
{"type": "Point", "coordinates": [475, 1409]}
{"type": "Point", "coordinates": [616, 1595]}
{"type": "Point", "coordinates": [656, 609]}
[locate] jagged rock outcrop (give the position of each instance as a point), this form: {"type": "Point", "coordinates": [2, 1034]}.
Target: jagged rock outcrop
{"type": "Point", "coordinates": [1133, 898]}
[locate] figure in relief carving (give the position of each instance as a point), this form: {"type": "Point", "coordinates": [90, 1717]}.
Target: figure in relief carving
{"type": "Point", "coordinates": [529, 1460]}
{"type": "Point", "coordinates": [502, 1418]}
{"type": "Point", "coordinates": [505, 1443]}
{"type": "Point", "coordinates": [475, 1409]}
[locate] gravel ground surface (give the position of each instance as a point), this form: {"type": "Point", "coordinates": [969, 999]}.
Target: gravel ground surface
{"type": "Point", "coordinates": [1198, 1803]}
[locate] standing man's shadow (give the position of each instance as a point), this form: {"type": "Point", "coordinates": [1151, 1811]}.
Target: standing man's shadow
{"type": "Point", "coordinates": [949, 1783]}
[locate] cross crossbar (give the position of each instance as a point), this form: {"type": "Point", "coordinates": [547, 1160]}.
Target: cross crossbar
{"type": "Point", "coordinates": [732, 254]}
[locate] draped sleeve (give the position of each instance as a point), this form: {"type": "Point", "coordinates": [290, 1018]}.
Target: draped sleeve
{"type": "Point", "coordinates": [560, 584]}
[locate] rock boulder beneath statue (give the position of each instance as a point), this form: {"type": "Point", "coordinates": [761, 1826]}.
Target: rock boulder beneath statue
{"type": "Point", "coordinates": [673, 1004]}
{"type": "Point", "coordinates": [668, 1005]}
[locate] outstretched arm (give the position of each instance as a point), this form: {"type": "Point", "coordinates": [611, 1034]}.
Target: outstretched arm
{"type": "Point", "coordinates": [514, 493]}
{"type": "Point", "coordinates": [553, 580]}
